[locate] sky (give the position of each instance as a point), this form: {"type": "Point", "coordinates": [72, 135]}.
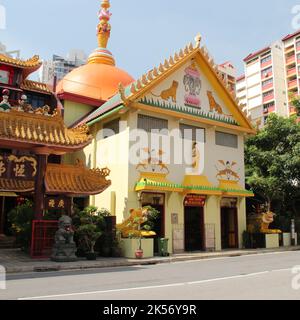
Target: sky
{"type": "Point", "coordinates": [144, 33]}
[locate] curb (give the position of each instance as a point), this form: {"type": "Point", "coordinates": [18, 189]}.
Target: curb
{"type": "Point", "coordinates": [111, 263]}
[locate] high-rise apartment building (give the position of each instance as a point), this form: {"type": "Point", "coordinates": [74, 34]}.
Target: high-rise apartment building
{"type": "Point", "coordinates": [228, 73]}
{"type": "Point", "coordinates": [291, 45]}
{"type": "Point", "coordinates": [241, 91]}
{"type": "Point", "coordinates": [58, 67]}
{"type": "Point", "coordinates": [262, 90]}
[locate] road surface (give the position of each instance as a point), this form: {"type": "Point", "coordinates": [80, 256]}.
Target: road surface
{"type": "Point", "coordinates": [264, 276]}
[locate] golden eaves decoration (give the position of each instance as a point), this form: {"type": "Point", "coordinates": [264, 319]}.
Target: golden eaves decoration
{"type": "Point", "coordinates": [30, 63]}
{"type": "Point", "coordinates": [41, 129]}
{"type": "Point", "coordinates": [75, 179]}
{"type": "Point", "coordinates": [35, 86]}
{"type": "Point", "coordinates": [16, 185]}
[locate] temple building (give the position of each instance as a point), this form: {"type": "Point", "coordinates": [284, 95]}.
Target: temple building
{"type": "Point", "coordinates": [33, 140]}
{"type": "Point", "coordinates": [201, 198]}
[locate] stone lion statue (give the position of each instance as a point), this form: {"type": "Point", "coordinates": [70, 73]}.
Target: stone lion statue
{"type": "Point", "coordinates": [65, 232]}
{"type": "Point", "coordinates": [64, 248]}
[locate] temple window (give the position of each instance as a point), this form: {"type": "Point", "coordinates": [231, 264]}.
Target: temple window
{"type": "Point", "coordinates": [226, 140]}
{"type": "Point", "coordinates": [190, 132]}
{"type": "Point", "coordinates": [148, 123]}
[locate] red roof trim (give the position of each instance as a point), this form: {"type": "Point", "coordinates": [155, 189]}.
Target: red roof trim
{"type": "Point", "coordinates": [252, 55]}
{"type": "Point", "coordinates": [289, 36]}
{"type": "Point", "coordinates": [80, 99]}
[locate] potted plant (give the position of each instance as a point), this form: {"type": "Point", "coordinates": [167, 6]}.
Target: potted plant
{"type": "Point", "coordinates": [89, 216]}
{"type": "Point", "coordinates": [89, 234]}
{"type": "Point", "coordinates": [143, 224]}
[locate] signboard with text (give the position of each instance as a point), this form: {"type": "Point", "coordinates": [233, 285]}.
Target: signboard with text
{"type": "Point", "coordinates": [57, 203]}
{"type": "Point", "coordinates": [18, 167]}
{"type": "Point", "coordinates": [194, 200]}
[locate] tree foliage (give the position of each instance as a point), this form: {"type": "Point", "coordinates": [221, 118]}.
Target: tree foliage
{"type": "Point", "coordinates": [273, 163]}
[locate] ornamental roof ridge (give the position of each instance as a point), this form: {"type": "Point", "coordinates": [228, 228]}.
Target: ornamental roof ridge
{"type": "Point", "coordinates": [29, 63]}
{"type": "Point", "coordinates": [42, 129]}
{"type": "Point", "coordinates": [31, 85]}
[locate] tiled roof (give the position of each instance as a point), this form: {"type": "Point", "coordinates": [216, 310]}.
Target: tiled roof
{"type": "Point", "coordinates": [14, 185]}
{"type": "Point", "coordinates": [64, 179]}
{"type": "Point", "coordinates": [35, 86]}
{"type": "Point", "coordinates": [30, 63]}
{"type": "Point", "coordinates": [75, 179]}
{"type": "Point", "coordinates": [41, 130]}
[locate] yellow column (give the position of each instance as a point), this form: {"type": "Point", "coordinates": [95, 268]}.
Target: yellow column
{"type": "Point", "coordinates": [212, 215]}
{"type": "Point", "coordinates": [113, 203]}
{"type": "Point", "coordinates": [242, 219]}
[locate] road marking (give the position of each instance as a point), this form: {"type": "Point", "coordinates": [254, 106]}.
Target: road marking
{"type": "Point", "coordinates": [100, 292]}
{"type": "Point", "coordinates": [229, 278]}
{"type": "Point", "coordinates": [154, 287]}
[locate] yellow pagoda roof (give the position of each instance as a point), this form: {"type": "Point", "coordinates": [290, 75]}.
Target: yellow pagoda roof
{"type": "Point", "coordinates": [75, 179]}
{"type": "Point", "coordinates": [63, 179]}
{"type": "Point", "coordinates": [195, 184]}
{"type": "Point", "coordinates": [16, 185]}
{"type": "Point", "coordinates": [35, 86]}
{"type": "Point", "coordinates": [156, 182]}
{"type": "Point", "coordinates": [29, 65]}
{"type": "Point", "coordinates": [40, 130]}
{"type": "Point", "coordinates": [32, 62]}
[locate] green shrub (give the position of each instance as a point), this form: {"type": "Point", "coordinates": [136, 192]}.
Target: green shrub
{"type": "Point", "coordinates": [21, 218]}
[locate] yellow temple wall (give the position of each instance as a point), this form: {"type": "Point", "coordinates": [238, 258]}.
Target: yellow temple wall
{"type": "Point", "coordinates": [112, 152]}
{"type": "Point", "coordinates": [74, 111]}
{"type": "Point", "coordinates": [212, 215]}
{"type": "Point", "coordinates": [242, 219]}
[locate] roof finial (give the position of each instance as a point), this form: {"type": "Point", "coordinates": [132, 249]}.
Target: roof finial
{"type": "Point", "coordinates": [198, 40]}
{"type": "Point", "coordinates": [104, 26]}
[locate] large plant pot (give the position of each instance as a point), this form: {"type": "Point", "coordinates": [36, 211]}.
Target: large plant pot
{"type": "Point", "coordinates": [272, 241]}
{"type": "Point", "coordinates": [286, 239]}
{"type": "Point", "coordinates": [130, 246]}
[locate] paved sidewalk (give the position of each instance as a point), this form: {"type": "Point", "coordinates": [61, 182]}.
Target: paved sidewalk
{"type": "Point", "coordinates": [15, 261]}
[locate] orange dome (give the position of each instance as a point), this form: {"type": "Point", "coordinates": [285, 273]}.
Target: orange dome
{"type": "Point", "coordinates": [94, 80]}
{"type": "Point", "coordinates": [99, 79]}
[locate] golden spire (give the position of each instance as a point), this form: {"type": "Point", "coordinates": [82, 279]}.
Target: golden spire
{"type": "Point", "coordinates": [104, 26]}
{"type": "Point", "coordinates": [101, 54]}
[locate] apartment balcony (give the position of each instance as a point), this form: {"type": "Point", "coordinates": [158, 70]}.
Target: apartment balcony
{"type": "Point", "coordinates": [292, 110]}
{"type": "Point", "coordinates": [290, 60]}
{"type": "Point", "coordinates": [291, 72]}
{"type": "Point", "coordinates": [268, 98]}
{"type": "Point", "coordinates": [298, 47]}
{"type": "Point", "coordinates": [267, 75]}
{"type": "Point", "coordinates": [267, 87]}
{"type": "Point", "coordinates": [266, 64]}
{"type": "Point", "coordinates": [269, 110]}
{"type": "Point", "coordinates": [289, 49]}
{"type": "Point", "coordinates": [293, 84]}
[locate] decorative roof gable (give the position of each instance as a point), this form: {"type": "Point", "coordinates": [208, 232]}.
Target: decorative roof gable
{"type": "Point", "coordinates": [190, 57]}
